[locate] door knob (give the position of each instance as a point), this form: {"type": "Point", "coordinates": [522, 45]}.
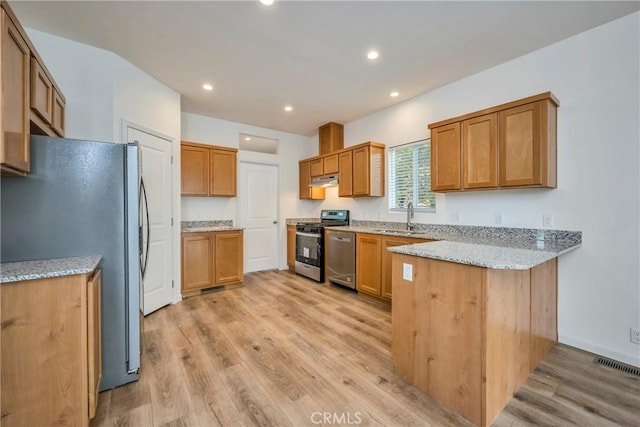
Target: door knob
{"type": "Point", "coordinates": [275, 221]}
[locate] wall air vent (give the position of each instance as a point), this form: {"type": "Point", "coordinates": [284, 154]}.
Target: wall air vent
{"type": "Point", "coordinates": [617, 365]}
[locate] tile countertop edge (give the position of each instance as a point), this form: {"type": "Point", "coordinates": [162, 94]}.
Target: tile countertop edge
{"type": "Point", "coordinates": [11, 272]}
{"type": "Point", "coordinates": [479, 255]}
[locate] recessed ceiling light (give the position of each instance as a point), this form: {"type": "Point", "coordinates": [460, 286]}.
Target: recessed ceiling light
{"type": "Point", "coordinates": [246, 138]}
{"type": "Point", "coordinates": [394, 94]}
{"type": "Point", "coordinates": [266, 2]}
{"type": "Point", "coordinates": [288, 108]}
{"type": "Point", "coordinates": [207, 86]}
{"type": "Point", "coordinates": [372, 54]}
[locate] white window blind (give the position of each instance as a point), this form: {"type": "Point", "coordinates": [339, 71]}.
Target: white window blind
{"type": "Point", "coordinates": [410, 176]}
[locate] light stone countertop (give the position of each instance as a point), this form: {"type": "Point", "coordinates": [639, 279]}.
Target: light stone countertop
{"type": "Point", "coordinates": [44, 269]}
{"type": "Point", "coordinates": [208, 226]}
{"type": "Point", "coordinates": [489, 247]}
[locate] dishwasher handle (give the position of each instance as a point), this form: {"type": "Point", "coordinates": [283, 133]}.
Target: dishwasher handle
{"type": "Point", "coordinates": [340, 238]}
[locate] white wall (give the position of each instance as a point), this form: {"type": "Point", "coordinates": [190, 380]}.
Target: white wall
{"type": "Point", "coordinates": [291, 148]}
{"type": "Point", "coordinates": [595, 75]}
{"type": "Point", "coordinates": [102, 91]}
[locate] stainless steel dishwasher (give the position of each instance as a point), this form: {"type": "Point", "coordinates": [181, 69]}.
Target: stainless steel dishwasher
{"type": "Point", "coordinates": [341, 258]}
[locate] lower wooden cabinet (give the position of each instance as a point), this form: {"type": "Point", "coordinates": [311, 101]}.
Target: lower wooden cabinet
{"type": "Point", "coordinates": [291, 247]}
{"type": "Point", "coordinates": [210, 260]}
{"type": "Point", "coordinates": [51, 350]}
{"type": "Point", "coordinates": [373, 263]}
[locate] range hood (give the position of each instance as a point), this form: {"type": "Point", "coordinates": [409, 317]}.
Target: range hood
{"type": "Point", "coordinates": [324, 181]}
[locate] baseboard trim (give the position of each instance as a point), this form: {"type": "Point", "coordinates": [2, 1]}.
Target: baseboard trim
{"type": "Point", "coordinates": [620, 357]}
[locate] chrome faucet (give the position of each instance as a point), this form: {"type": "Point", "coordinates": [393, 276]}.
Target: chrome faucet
{"type": "Point", "coordinates": [409, 216]}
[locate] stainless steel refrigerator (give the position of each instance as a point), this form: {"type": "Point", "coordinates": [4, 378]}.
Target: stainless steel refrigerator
{"type": "Point", "coordinates": [83, 198]}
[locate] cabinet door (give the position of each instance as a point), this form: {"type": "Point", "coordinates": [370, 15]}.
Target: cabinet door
{"type": "Point", "coordinates": [223, 173]}
{"type": "Point", "coordinates": [520, 145]}
{"type": "Point", "coordinates": [331, 164]}
{"type": "Point", "coordinates": [57, 118]}
{"type": "Point", "coordinates": [445, 158]}
{"type": "Point", "coordinates": [14, 91]}
{"type": "Point", "coordinates": [94, 338]}
{"type": "Point", "coordinates": [480, 152]}
{"type": "Point", "coordinates": [229, 257]}
{"type": "Point", "coordinates": [361, 171]}
{"type": "Point", "coordinates": [317, 167]}
{"type": "Point", "coordinates": [41, 92]}
{"type": "Point", "coordinates": [304, 179]}
{"type": "Point", "coordinates": [345, 182]}
{"type": "Point", "coordinates": [194, 168]}
{"type": "Point", "coordinates": [386, 257]}
{"type": "Point", "coordinates": [331, 138]}
{"type": "Point", "coordinates": [368, 272]}
{"type": "Point", "coordinates": [291, 246]}
{"type": "Point", "coordinates": [197, 261]}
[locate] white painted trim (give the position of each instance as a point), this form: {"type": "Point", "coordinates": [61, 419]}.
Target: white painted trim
{"type": "Point", "coordinates": [600, 351]}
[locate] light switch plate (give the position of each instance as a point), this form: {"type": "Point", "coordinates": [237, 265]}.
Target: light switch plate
{"type": "Point", "coordinates": [407, 272]}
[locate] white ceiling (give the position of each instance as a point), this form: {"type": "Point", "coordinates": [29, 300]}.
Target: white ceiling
{"type": "Point", "coordinates": [311, 54]}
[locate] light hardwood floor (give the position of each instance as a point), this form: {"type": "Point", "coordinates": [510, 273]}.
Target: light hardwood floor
{"type": "Point", "coordinates": [285, 351]}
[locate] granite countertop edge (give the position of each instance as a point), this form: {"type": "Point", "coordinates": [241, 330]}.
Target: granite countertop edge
{"type": "Point", "coordinates": [209, 229]}
{"type": "Point", "coordinates": [44, 269]}
{"type": "Point", "coordinates": [499, 254]}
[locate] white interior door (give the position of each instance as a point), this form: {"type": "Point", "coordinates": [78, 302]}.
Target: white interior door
{"type": "Point", "coordinates": [258, 214]}
{"type": "Point", "coordinates": [155, 152]}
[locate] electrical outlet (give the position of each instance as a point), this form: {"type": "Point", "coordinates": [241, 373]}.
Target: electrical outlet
{"type": "Point", "coordinates": [454, 217]}
{"type": "Point", "coordinates": [499, 218]}
{"type": "Point", "coordinates": [635, 335]}
{"type": "Point", "coordinates": [407, 272]}
{"type": "Point", "coordinates": [547, 220]}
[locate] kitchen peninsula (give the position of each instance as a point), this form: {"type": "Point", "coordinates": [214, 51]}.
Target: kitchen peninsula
{"type": "Point", "coordinates": [470, 321]}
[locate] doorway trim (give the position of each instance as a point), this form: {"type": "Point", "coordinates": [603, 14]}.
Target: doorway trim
{"type": "Point", "coordinates": [175, 200]}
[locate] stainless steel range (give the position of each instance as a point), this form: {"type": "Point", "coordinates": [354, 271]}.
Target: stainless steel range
{"type": "Point", "coordinates": [310, 243]}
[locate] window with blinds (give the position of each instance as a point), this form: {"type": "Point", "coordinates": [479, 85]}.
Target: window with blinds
{"type": "Point", "coordinates": [410, 177]}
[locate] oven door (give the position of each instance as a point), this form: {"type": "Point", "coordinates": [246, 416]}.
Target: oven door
{"type": "Point", "coordinates": [308, 248]}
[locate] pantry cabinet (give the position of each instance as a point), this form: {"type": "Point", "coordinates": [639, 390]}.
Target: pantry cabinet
{"type": "Point", "coordinates": [508, 146]}
{"type": "Point", "coordinates": [210, 260]}
{"type": "Point", "coordinates": [51, 350]}
{"type": "Point", "coordinates": [207, 170]}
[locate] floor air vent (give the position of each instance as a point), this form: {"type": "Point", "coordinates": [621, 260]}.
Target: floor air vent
{"type": "Point", "coordinates": [617, 365]}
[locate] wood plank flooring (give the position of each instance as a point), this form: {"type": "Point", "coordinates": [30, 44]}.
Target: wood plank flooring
{"type": "Point", "coordinates": [285, 351]}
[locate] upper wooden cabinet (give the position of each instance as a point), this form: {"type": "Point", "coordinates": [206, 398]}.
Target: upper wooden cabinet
{"type": "Point", "coordinates": [324, 165]}
{"type": "Point", "coordinates": [14, 91]}
{"type": "Point", "coordinates": [361, 171]}
{"type": "Point", "coordinates": [304, 179]}
{"type": "Point", "coordinates": [207, 170]}
{"type": "Point", "coordinates": [480, 152]}
{"type": "Point", "coordinates": [31, 100]}
{"type": "Point", "coordinates": [368, 174]}
{"type": "Point", "coordinates": [331, 138]}
{"type": "Point", "coordinates": [445, 158]}
{"type": "Point", "coordinates": [345, 169]}
{"type": "Point", "coordinates": [510, 145]}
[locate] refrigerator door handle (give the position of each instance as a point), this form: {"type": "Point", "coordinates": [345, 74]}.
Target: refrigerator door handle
{"type": "Point", "coordinates": [144, 262]}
